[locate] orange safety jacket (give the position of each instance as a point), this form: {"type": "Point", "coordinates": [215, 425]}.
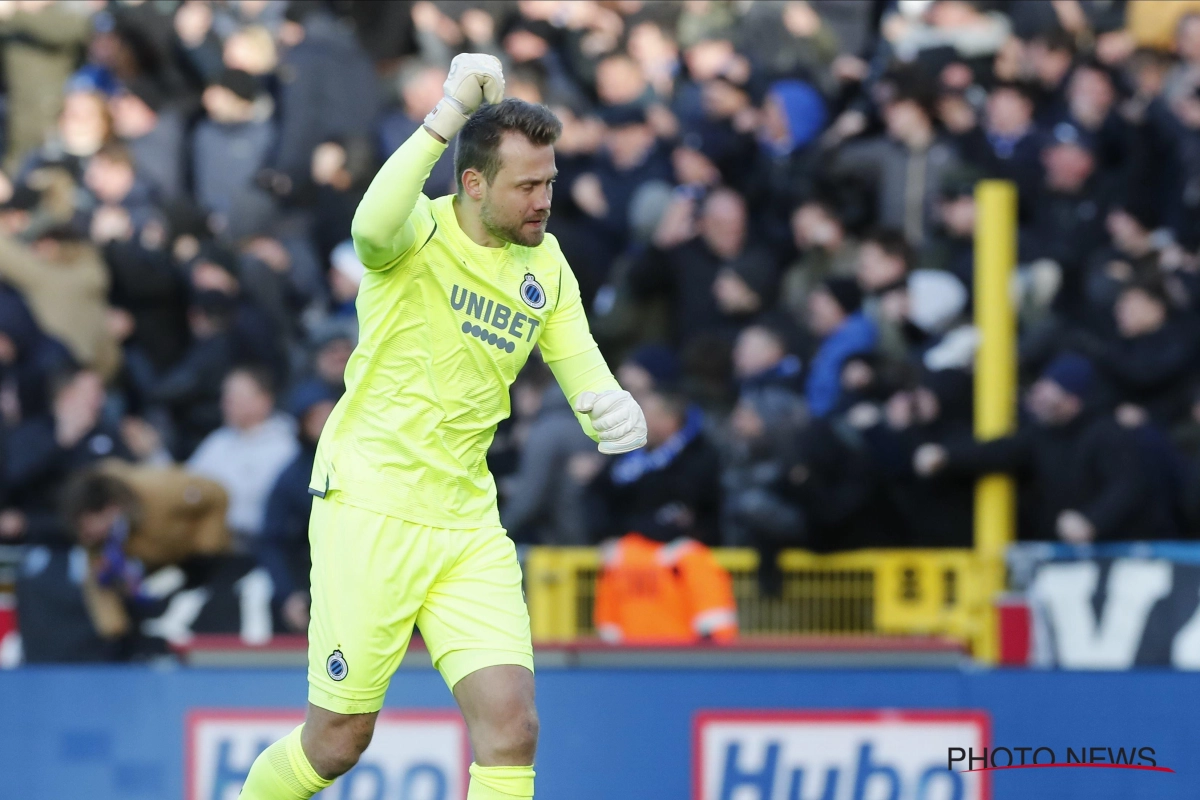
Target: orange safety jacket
{"type": "Point", "coordinates": [663, 593]}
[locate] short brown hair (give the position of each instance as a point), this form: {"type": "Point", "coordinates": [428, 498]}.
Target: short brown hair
{"type": "Point", "coordinates": [116, 153]}
{"type": "Point", "coordinates": [479, 141]}
{"type": "Point", "coordinates": [92, 491]}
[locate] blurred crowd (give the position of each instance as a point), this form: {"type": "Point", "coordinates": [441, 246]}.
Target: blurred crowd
{"type": "Point", "coordinates": [770, 209]}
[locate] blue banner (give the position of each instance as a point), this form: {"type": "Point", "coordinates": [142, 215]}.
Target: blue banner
{"type": "Point", "coordinates": [140, 732]}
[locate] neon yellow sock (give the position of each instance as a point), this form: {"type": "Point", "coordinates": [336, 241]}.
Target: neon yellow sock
{"type": "Point", "coordinates": [282, 772]}
{"type": "Point", "coordinates": [501, 783]}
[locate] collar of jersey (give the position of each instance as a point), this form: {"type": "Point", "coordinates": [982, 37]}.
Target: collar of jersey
{"type": "Point", "coordinates": [450, 220]}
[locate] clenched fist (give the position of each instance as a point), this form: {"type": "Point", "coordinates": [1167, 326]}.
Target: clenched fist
{"type": "Point", "coordinates": [473, 78]}
{"type": "Point", "coordinates": [617, 418]}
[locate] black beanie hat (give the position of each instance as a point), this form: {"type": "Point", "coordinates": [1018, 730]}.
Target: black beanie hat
{"type": "Point", "coordinates": [240, 82]}
{"type": "Point", "coordinates": [148, 91]}
{"type": "Point", "coordinates": [846, 292]}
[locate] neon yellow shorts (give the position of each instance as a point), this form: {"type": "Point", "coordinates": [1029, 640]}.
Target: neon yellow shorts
{"type": "Point", "coordinates": [375, 576]}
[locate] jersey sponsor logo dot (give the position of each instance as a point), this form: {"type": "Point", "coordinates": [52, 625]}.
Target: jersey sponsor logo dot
{"type": "Point", "coordinates": [532, 292]}
{"type": "Point", "coordinates": [336, 666]}
{"type": "Point", "coordinates": [490, 337]}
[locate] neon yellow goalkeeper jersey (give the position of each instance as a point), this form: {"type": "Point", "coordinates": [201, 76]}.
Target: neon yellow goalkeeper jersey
{"type": "Point", "coordinates": [444, 329]}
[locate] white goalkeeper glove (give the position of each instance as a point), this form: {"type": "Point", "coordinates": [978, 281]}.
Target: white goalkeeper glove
{"type": "Point", "coordinates": [616, 417]}
{"type": "Point", "coordinates": [473, 78]}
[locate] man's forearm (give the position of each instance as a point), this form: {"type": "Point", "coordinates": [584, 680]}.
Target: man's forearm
{"type": "Point", "coordinates": [586, 372]}
{"type": "Point", "coordinates": [381, 228]}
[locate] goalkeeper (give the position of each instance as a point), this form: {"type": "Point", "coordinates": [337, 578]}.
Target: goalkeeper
{"type": "Point", "coordinates": [404, 527]}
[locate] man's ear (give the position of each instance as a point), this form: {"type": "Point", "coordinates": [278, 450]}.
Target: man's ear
{"type": "Point", "coordinates": [472, 180]}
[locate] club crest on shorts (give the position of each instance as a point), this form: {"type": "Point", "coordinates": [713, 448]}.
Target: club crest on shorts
{"type": "Point", "coordinates": [532, 292]}
{"type": "Point", "coordinates": [336, 666]}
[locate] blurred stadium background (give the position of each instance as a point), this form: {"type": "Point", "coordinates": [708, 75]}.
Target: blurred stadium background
{"type": "Point", "coordinates": [909, 290]}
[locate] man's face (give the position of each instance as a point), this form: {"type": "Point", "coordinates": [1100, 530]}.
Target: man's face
{"type": "Point", "coordinates": [332, 360]}
{"type": "Point", "coordinates": [824, 314]}
{"type": "Point", "coordinates": [314, 420]}
{"type": "Point", "coordinates": [813, 227]}
{"type": "Point", "coordinates": [1008, 111]}
{"type": "Point", "coordinates": [423, 92]}
{"type": "Point", "coordinates": [662, 422]}
{"type": "Point", "coordinates": [755, 351]}
{"type": "Point", "coordinates": [244, 404]}
{"type": "Point", "coordinates": [1051, 404]}
{"type": "Point", "coordinates": [877, 268]}
{"type": "Point", "coordinates": [111, 181]}
{"type": "Point", "coordinates": [93, 527]}
{"type": "Point", "coordinates": [516, 204]}
{"type": "Point", "coordinates": [627, 145]}
{"type": "Point", "coordinates": [132, 118]}
{"type": "Point", "coordinates": [84, 394]}
{"type": "Point", "coordinates": [1187, 39]}
{"type": "Point", "coordinates": [723, 222]}
{"type": "Point", "coordinates": [958, 215]}
{"type": "Point", "coordinates": [83, 123]}
{"type": "Point", "coordinates": [904, 117]}
{"type": "Point", "coordinates": [1138, 313]}
{"type": "Point", "coordinates": [1126, 232]}
{"type": "Point", "coordinates": [1068, 167]}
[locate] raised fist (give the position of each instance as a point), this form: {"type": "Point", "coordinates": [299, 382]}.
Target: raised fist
{"type": "Point", "coordinates": [473, 78]}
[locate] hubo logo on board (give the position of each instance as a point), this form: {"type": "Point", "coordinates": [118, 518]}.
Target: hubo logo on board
{"type": "Point", "coordinates": [413, 756]}
{"type": "Point", "coordinates": [836, 755]}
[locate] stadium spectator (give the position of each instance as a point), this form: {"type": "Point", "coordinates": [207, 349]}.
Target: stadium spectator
{"type": "Point", "coordinates": [330, 91]}
{"type": "Point", "coordinates": [1080, 472]}
{"type": "Point", "coordinates": [939, 511]}
{"type": "Point", "coordinates": [827, 250]}
{"type": "Point", "coordinates": [28, 358]}
{"type": "Point", "coordinates": [83, 128]}
{"type": "Point", "coordinates": [671, 488]}
{"type": "Point", "coordinates": [420, 88]}
{"type": "Point", "coordinates": [230, 145]}
{"type": "Point", "coordinates": [1007, 145]}
{"type": "Point", "coordinates": [189, 392]}
{"type": "Point", "coordinates": [45, 40]}
{"type": "Point", "coordinates": [1069, 210]}
{"type": "Point", "coordinates": [43, 450]}
{"type": "Point", "coordinates": [154, 133]}
{"type": "Point", "coordinates": [904, 167]}
{"type": "Point", "coordinates": [283, 546]}
{"type": "Point", "coordinates": [248, 452]}
{"type": "Point", "coordinates": [1148, 361]}
{"type": "Point", "coordinates": [61, 275]}
{"type": "Point", "coordinates": [715, 279]}
{"type": "Point", "coordinates": [133, 520]}
{"type": "Point", "coordinates": [543, 498]}
{"type": "Point", "coordinates": [843, 330]}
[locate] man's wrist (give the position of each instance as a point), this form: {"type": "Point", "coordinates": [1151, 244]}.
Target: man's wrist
{"type": "Point", "coordinates": [447, 118]}
{"type": "Point", "coordinates": [437, 136]}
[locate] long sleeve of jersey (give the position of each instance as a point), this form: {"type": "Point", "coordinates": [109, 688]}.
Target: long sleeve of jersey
{"type": "Point", "coordinates": [385, 227]}
{"type": "Point", "coordinates": [570, 351]}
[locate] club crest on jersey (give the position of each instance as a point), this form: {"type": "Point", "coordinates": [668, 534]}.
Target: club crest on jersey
{"type": "Point", "coordinates": [336, 666]}
{"type": "Point", "coordinates": [532, 292]}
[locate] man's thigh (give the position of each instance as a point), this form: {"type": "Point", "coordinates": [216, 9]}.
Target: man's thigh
{"type": "Point", "coordinates": [474, 615]}
{"type": "Point", "coordinates": [370, 574]}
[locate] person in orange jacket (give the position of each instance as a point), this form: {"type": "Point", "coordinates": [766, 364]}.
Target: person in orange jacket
{"type": "Point", "coordinates": [650, 592]}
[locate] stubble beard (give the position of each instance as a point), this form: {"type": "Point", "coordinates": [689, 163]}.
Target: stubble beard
{"type": "Point", "coordinates": [508, 233]}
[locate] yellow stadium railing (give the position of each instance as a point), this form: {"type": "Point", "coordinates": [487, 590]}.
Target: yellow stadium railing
{"type": "Point", "coordinates": [861, 593]}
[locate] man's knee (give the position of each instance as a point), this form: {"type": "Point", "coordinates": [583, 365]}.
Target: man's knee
{"type": "Point", "coordinates": [524, 736]}
{"type": "Point", "coordinates": [498, 704]}
{"type": "Point", "coordinates": [333, 743]}
{"type": "Point", "coordinates": [510, 741]}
